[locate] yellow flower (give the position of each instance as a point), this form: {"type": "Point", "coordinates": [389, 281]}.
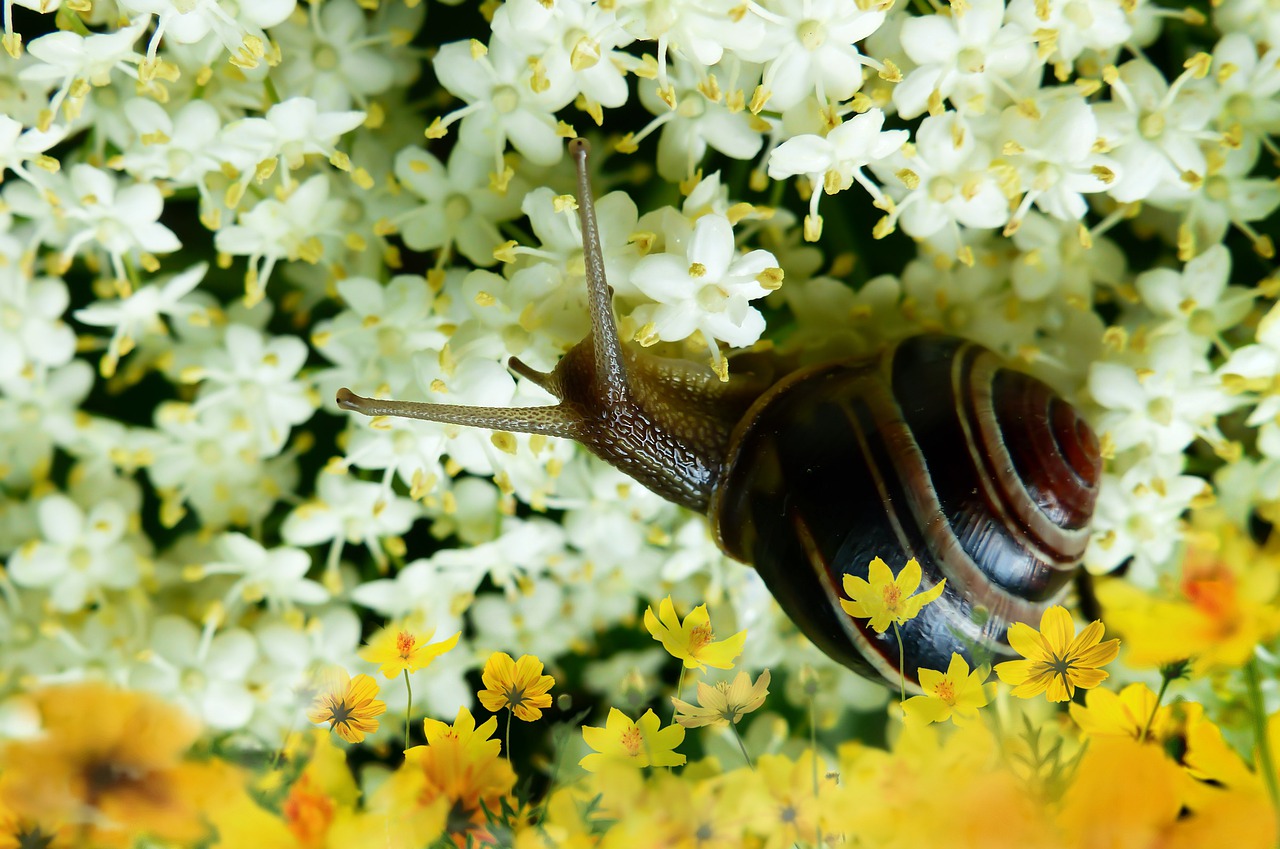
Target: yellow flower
{"type": "Point", "coordinates": [692, 640]}
{"type": "Point", "coordinates": [347, 704]}
{"type": "Point", "coordinates": [1223, 604]}
{"type": "Point", "coordinates": [113, 764]}
{"type": "Point", "coordinates": [401, 647]}
{"type": "Point", "coordinates": [638, 744]}
{"type": "Point", "coordinates": [887, 600]}
{"type": "Point", "coordinates": [1129, 714]}
{"type": "Point", "coordinates": [724, 703]}
{"type": "Point", "coordinates": [518, 685]}
{"type": "Point", "coordinates": [1057, 659]}
{"type": "Point", "coordinates": [955, 695]}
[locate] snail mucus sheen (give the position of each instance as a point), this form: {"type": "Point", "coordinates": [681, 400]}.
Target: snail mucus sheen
{"type": "Point", "coordinates": [932, 449]}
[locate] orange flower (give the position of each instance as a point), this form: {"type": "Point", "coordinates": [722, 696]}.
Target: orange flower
{"type": "Point", "coordinates": [347, 704]}
{"type": "Point", "coordinates": [111, 764]}
{"type": "Point", "coordinates": [518, 685]}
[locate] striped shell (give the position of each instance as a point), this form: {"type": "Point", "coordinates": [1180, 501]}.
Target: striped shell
{"type": "Point", "coordinates": [933, 450]}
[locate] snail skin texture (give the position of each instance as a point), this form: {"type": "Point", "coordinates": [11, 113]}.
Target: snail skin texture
{"type": "Point", "coordinates": [932, 449]}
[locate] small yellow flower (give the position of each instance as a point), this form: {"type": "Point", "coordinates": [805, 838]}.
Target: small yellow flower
{"type": "Point", "coordinates": [347, 704]}
{"type": "Point", "coordinates": [518, 685]}
{"type": "Point", "coordinates": [956, 694]}
{"type": "Point", "coordinates": [724, 703]}
{"type": "Point", "coordinates": [404, 647]}
{"type": "Point", "coordinates": [887, 600]}
{"type": "Point", "coordinates": [1130, 714]}
{"type": "Point", "coordinates": [692, 640]}
{"type": "Point", "coordinates": [1057, 659]}
{"type": "Point", "coordinates": [638, 744]}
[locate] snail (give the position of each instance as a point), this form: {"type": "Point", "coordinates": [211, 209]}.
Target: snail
{"type": "Point", "coordinates": [933, 449]}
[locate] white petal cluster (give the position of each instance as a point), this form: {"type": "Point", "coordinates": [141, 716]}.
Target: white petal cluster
{"type": "Point", "coordinates": [215, 214]}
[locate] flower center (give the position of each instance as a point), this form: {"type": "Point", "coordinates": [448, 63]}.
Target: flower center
{"type": "Point", "coordinates": [892, 596]}
{"type": "Point", "coordinates": [325, 58]}
{"type": "Point", "coordinates": [941, 189]}
{"type": "Point", "coordinates": [405, 643]}
{"type": "Point", "coordinates": [946, 691]}
{"type": "Point", "coordinates": [699, 638]}
{"type": "Point", "coordinates": [1152, 126]}
{"type": "Point", "coordinates": [972, 60]}
{"type": "Point", "coordinates": [631, 740]}
{"type": "Point", "coordinates": [457, 208]}
{"type": "Point", "coordinates": [505, 99]}
{"type": "Point", "coordinates": [812, 34]}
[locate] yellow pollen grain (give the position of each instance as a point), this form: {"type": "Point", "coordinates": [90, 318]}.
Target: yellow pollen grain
{"type": "Point", "coordinates": [697, 269]}
{"type": "Point", "coordinates": [405, 643]}
{"type": "Point", "coordinates": [631, 741]}
{"type": "Point", "coordinates": [946, 691]}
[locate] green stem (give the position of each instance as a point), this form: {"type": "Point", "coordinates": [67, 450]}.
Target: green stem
{"type": "Point", "coordinates": [507, 743]}
{"type": "Point", "coordinates": [1146, 729]}
{"type": "Point", "coordinates": [679, 690]}
{"type": "Point", "coordinates": [408, 710]}
{"type": "Point", "coordinates": [269, 86]}
{"type": "Point", "coordinates": [1266, 761]}
{"type": "Point", "coordinates": [902, 659]}
{"type": "Point", "coordinates": [733, 726]}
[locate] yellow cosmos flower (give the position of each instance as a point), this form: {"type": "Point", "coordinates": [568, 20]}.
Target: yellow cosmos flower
{"type": "Point", "coordinates": [692, 640]}
{"type": "Point", "coordinates": [405, 647]}
{"type": "Point", "coordinates": [1132, 714]}
{"type": "Point", "coordinates": [956, 694]}
{"type": "Point", "coordinates": [1057, 659]}
{"type": "Point", "coordinates": [113, 765]}
{"type": "Point", "coordinates": [347, 704]}
{"type": "Point", "coordinates": [518, 685]}
{"type": "Point", "coordinates": [887, 600]}
{"type": "Point", "coordinates": [724, 703]}
{"type": "Point", "coordinates": [638, 744]}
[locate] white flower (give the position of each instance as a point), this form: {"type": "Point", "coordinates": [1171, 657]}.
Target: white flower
{"type": "Point", "coordinates": [18, 147]}
{"type": "Point", "coordinates": [203, 670]}
{"type": "Point", "coordinates": [65, 57]}
{"type": "Point", "coordinates": [1198, 301]}
{"type": "Point", "coordinates": [1253, 369]}
{"type": "Point", "coordinates": [697, 122]}
{"type": "Point", "coordinates": [1073, 26]}
{"type": "Point", "coordinates": [337, 55]}
{"type": "Point", "coordinates": [1050, 141]}
{"type": "Point", "coordinates": [36, 412]}
{"type": "Point", "coordinates": [238, 27]}
{"type": "Point", "coordinates": [1138, 514]}
{"type": "Point", "coordinates": [252, 384]}
{"type": "Point", "coordinates": [944, 181]}
{"type": "Point", "coordinates": [289, 132]}
{"type": "Point", "coordinates": [698, 30]}
{"type": "Point", "coordinates": [708, 288]}
{"type": "Point", "coordinates": [460, 209]}
{"type": "Point", "coordinates": [966, 56]}
{"type": "Point", "coordinates": [808, 48]}
{"type": "Point", "coordinates": [1163, 399]}
{"type": "Point", "coordinates": [274, 230]}
{"type": "Point", "coordinates": [834, 162]}
{"type": "Point", "coordinates": [123, 221]}
{"type": "Point", "coordinates": [575, 38]}
{"type": "Point", "coordinates": [348, 510]}
{"type": "Point", "coordinates": [139, 313]}
{"type": "Point", "coordinates": [508, 100]}
{"type": "Point", "coordinates": [276, 576]}
{"type": "Point", "coordinates": [178, 148]}
{"type": "Point", "coordinates": [1154, 129]}
{"type": "Point", "coordinates": [32, 332]}
{"type": "Point", "coordinates": [531, 623]}
{"type": "Point", "coordinates": [78, 554]}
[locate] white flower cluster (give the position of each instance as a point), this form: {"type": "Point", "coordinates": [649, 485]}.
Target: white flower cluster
{"type": "Point", "coordinates": [229, 210]}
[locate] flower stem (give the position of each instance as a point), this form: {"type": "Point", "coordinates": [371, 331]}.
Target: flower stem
{"type": "Point", "coordinates": [1164, 685]}
{"type": "Point", "coordinates": [1266, 761]}
{"type": "Point", "coordinates": [507, 744]}
{"type": "Point", "coordinates": [679, 690]}
{"type": "Point", "coordinates": [408, 709]}
{"type": "Point", "coordinates": [733, 726]}
{"type": "Point", "coordinates": [902, 659]}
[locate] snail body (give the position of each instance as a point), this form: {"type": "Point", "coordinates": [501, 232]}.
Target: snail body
{"type": "Point", "coordinates": [932, 449]}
